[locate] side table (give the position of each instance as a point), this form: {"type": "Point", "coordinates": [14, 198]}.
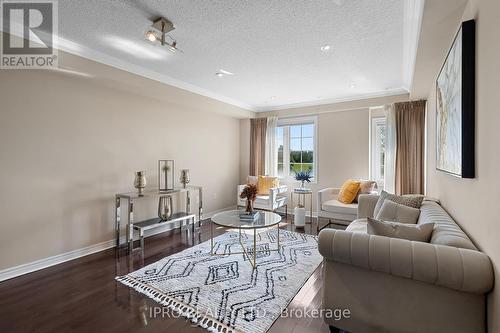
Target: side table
{"type": "Point", "coordinates": [302, 193]}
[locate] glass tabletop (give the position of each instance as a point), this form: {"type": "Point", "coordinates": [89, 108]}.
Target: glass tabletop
{"type": "Point", "coordinates": [231, 218]}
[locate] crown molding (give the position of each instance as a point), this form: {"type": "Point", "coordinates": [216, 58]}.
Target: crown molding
{"type": "Point", "coordinates": [385, 93]}
{"type": "Point", "coordinates": [412, 22]}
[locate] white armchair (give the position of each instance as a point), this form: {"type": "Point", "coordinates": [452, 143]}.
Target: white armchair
{"type": "Point", "coordinates": [328, 207]}
{"type": "Point", "coordinates": [277, 198]}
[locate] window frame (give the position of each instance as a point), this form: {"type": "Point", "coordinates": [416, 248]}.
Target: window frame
{"type": "Point", "coordinates": [286, 123]}
{"type": "Point", "coordinates": [375, 165]}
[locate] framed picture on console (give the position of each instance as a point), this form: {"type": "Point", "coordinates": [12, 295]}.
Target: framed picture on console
{"type": "Point", "coordinates": [455, 115]}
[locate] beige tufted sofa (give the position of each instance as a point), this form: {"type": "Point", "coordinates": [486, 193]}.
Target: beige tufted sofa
{"type": "Point", "coordinates": [396, 285]}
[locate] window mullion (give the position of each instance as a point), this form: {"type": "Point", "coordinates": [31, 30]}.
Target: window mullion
{"type": "Point", "coordinates": [286, 151]}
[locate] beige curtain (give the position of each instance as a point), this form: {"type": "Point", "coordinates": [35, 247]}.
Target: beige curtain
{"type": "Point", "coordinates": [258, 127]}
{"type": "Point", "coordinates": [410, 133]}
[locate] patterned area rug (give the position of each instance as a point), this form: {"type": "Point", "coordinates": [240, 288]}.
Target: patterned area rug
{"type": "Point", "coordinates": [223, 293]}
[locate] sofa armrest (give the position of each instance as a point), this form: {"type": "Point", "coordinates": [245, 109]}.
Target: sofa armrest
{"type": "Point", "coordinates": [326, 194]}
{"type": "Point", "coordinates": [240, 188]}
{"type": "Point", "coordinates": [366, 205]}
{"type": "Point", "coordinates": [275, 191]}
{"type": "Point", "coordinates": [445, 266]}
{"type": "Point", "coordinates": [279, 189]}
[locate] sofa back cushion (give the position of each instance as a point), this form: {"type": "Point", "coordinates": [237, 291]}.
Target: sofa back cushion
{"type": "Point", "coordinates": [446, 230]}
{"type": "Point", "coordinates": [395, 212]}
{"type": "Point", "coordinates": [410, 200]}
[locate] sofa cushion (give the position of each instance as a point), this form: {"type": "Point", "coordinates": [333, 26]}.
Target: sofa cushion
{"type": "Point", "coordinates": [395, 212]}
{"type": "Point", "coordinates": [335, 206]}
{"type": "Point", "coordinates": [446, 230]}
{"type": "Point", "coordinates": [410, 200]}
{"type": "Point", "coordinates": [365, 187]}
{"type": "Point", "coordinates": [252, 180]}
{"type": "Point", "coordinates": [348, 191]}
{"type": "Point", "coordinates": [265, 183]}
{"type": "Point", "coordinates": [359, 226]}
{"type": "Point", "coordinates": [413, 232]}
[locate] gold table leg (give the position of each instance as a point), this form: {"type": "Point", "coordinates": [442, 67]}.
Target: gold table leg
{"type": "Point", "coordinates": [243, 247]}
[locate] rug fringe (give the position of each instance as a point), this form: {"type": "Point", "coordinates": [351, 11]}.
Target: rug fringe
{"type": "Point", "coordinates": [205, 321]}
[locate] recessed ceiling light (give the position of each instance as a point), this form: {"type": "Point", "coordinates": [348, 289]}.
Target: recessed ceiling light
{"type": "Point", "coordinates": [352, 86]}
{"type": "Point", "coordinates": [225, 72]}
{"type": "Point", "coordinates": [273, 97]}
{"type": "Point", "coordinates": [325, 48]}
{"type": "Point", "coordinates": [219, 74]}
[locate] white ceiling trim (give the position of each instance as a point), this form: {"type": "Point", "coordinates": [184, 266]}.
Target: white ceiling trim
{"type": "Point", "coordinates": [385, 93]}
{"type": "Point", "coordinates": [86, 52]}
{"type": "Point", "coordinates": [413, 12]}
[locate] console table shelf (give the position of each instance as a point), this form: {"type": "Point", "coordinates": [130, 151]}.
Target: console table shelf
{"type": "Point", "coordinates": [157, 222]}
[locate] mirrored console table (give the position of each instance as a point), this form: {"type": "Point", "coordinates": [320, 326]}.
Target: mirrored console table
{"type": "Point", "coordinates": [141, 226]}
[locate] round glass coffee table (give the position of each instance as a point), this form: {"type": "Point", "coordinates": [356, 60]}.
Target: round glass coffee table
{"type": "Point", "coordinates": [231, 219]}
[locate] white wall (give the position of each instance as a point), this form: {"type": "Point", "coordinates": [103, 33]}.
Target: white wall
{"type": "Point", "coordinates": [473, 202]}
{"type": "Point", "coordinates": [69, 143]}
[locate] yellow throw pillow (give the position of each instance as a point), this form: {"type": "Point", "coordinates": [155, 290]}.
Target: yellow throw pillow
{"type": "Point", "coordinates": [348, 191]}
{"type": "Point", "coordinates": [264, 183]}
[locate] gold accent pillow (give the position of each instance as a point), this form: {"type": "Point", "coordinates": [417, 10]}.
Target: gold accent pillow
{"type": "Point", "coordinates": [264, 183]}
{"type": "Point", "coordinates": [348, 191]}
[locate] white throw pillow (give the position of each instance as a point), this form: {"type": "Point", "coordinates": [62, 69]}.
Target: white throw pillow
{"type": "Point", "coordinates": [392, 211]}
{"type": "Point", "coordinates": [413, 232]}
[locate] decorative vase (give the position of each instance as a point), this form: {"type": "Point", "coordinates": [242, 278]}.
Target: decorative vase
{"type": "Point", "coordinates": [184, 177]}
{"type": "Point", "coordinates": [299, 218]}
{"type": "Point", "coordinates": [249, 207]}
{"type": "Point", "coordinates": [302, 183]}
{"type": "Point", "coordinates": [165, 207]}
{"type": "Point", "coordinates": [140, 182]}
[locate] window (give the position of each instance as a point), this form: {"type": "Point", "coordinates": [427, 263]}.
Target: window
{"type": "Point", "coordinates": [378, 143]}
{"type": "Point", "coordinates": [296, 145]}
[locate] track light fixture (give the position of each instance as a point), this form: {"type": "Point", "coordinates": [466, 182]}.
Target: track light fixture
{"type": "Point", "coordinates": [158, 33]}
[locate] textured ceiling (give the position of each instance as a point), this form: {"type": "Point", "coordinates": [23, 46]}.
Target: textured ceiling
{"type": "Point", "coordinates": [271, 46]}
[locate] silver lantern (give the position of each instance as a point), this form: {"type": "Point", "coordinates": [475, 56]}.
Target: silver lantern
{"type": "Point", "coordinates": [165, 207]}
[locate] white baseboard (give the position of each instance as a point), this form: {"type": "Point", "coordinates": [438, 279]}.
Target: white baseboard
{"type": "Point", "coordinates": [16, 271]}
{"type": "Point", "coordinates": [13, 272]}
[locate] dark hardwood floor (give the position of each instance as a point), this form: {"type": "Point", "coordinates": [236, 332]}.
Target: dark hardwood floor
{"type": "Point", "coordinates": [82, 295]}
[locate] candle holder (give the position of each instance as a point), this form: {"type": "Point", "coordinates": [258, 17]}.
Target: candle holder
{"type": "Point", "coordinates": [140, 182]}
{"type": "Point", "coordinates": [165, 175]}
{"type": "Point", "coordinates": [184, 177]}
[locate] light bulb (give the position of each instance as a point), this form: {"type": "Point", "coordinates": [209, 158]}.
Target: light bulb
{"type": "Point", "coordinates": [151, 36]}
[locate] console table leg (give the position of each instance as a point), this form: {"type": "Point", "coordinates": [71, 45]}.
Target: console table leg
{"type": "Point", "coordinates": [211, 237]}
{"type": "Point", "coordinates": [117, 221]}
{"type": "Point", "coordinates": [130, 227]}
{"type": "Point", "coordinates": [142, 239]}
